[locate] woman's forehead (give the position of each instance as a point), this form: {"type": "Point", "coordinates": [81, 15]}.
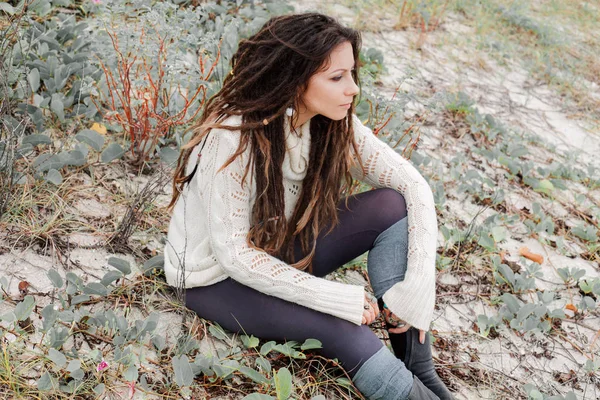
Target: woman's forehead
{"type": "Point", "coordinates": [341, 57]}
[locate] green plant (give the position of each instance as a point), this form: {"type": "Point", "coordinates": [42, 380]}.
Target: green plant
{"type": "Point", "coordinates": [146, 106]}
{"type": "Point", "coordinates": [534, 394]}
{"type": "Point", "coordinates": [11, 129]}
{"type": "Point", "coordinates": [459, 104]}
{"type": "Point", "coordinates": [372, 62]}
{"type": "Point", "coordinates": [131, 348]}
{"type": "Point", "coordinates": [426, 14]}
{"type": "Point", "coordinates": [530, 318]}
{"type": "Point", "coordinates": [541, 222]}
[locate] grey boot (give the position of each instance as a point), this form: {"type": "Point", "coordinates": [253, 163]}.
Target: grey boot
{"type": "Point", "coordinates": [418, 359]}
{"type": "Point", "coordinates": [420, 391]}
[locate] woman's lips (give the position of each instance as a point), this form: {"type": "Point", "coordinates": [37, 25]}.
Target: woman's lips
{"type": "Point", "coordinates": [346, 105]}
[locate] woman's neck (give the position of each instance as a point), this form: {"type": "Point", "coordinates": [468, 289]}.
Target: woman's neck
{"type": "Point", "coordinates": [303, 116]}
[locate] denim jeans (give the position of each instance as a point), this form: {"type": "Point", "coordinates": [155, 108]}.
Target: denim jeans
{"type": "Point", "coordinates": [387, 259]}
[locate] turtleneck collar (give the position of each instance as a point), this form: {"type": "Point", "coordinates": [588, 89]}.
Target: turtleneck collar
{"type": "Point", "coordinates": [295, 162]}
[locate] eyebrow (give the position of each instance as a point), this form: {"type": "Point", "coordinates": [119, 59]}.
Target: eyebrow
{"type": "Point", "coordinates": [341, 69]}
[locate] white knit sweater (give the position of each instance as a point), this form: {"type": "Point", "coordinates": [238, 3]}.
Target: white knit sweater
{"type": "Point", "coordinates": [207, 232]}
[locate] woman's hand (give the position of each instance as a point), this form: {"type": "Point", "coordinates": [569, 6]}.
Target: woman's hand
{"type": "Point", "coordinates": [400, 325]}
{"type": "Point", "coordinates": [371, 313]}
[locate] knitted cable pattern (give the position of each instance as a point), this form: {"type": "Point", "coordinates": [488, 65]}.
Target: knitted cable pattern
{"type": "Point", "coordinates": [413, 299]}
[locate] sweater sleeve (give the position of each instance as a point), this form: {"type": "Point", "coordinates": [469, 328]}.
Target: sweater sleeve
{"type": "Point", "coordinates": [412, 299]}
{"type": "Point", "coordinates": [229, 214]}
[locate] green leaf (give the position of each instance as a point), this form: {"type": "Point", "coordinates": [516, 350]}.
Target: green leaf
{"type": "Point", "coordinates": [487, 242]}
{"type": "Point", "coordinates": [46, 381]}
{"type": "Point", "coordinates": [511, 302]}
{"type": "Point", "coordinates": [91, 138]}
{"type": "Point", "coordinates": [344, 382]}
{"type": "Point", "coordinates": [254, 375]}
{"type": "Point", "coordinates": [507, 273]}
{"type": "Point", "coordinates": [34, 79]}
{"type": "Point", "coordinates": [120, 264]}
{"type": "Point", "coordinates": [112, 152]}
{"type": "Point", "coordinates": [110, 277]}
{"type": "Point", "coordinates": [589, 302]}
{"type": "Point", "coordinates": [310, 344]}
{"type": "Point", "coordinates": [183, 371]}
{"type": "Point", "coordinates": [544, 186]}
{"type": "Point", "coordinates": [75, 158]}
{"type": "Point", "coordinates": [7, 8]}
{"type": "Point", "coordinates": [225, 368]}
{"type": "Point", "coordinates": [156, 262]}
{"type": "Point", "coordinates": [46, 162]}
{"type": "Point", "coordinates": [8, 317]}
{"type": "Point", "coordinates": [499, 233]}
{"type": "Point", "coordinates": [283, 383]}
{"type": "Point", "coordinates": [57, 106]}
{"type": "Point", "coordinates": [99, 389]}
{"type": "Point", "coordinates": [54, 177]}
{"type": "Point", "coordinates": [258, 396]}
{"type": "Point", "coordinates": [96, 288]}
{"type": "Point", "coordinates": [37, 138]}
{"type": "Point", "coordinates": [536, 395]}
{"type": "Point", "coordinates": [131, 373]}
{"type": "Point", "coordinates": [249, 342]}
{"type": "Point", "coordinates": [218, 332]}
{"type": "Point", "coordinates": [57, 358]}
{"type": "Point", "coordinates": [159, 342]}
{"type": "Point", "coordinates": [74, 365]}
{"type": "Point", "coordinates": [55, 278]}
{"type": "Point", "coordinates": [50, 315]}
{"type": "Point", "coordinates": [80, 299]}
{"type": "Point", "coordinates": [264, 364]}
{"type": "Point", "coordinates": [24, 308]}
{"type": "Point", "coordinates": [319, 397]}
{"type": "Point", "coordinates": [267, 347]}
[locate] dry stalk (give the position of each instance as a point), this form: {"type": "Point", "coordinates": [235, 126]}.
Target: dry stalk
{"type": "Point", "coordinates": [118, 240]}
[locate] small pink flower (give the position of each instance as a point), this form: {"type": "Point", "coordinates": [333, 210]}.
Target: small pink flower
{"type": "Point", "coordinates": [102, 366]}
{"type": "Point", "coordinates": [97, 1]}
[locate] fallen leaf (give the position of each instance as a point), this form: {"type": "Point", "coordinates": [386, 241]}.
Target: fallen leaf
{"type": "Point", "coordinates": [24, 287]}
{"type": "Point", "coordinates": [571, 307]}
{"type": "Point", "coordinates": [101, 129]}
{"type": "Point", "coordinates": [565, 377]}
{"type": "Point", "coordinates": [525, 252]}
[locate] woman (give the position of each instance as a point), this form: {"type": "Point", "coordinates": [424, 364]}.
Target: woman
{"type": "Point", "coordinates": [259, 219]}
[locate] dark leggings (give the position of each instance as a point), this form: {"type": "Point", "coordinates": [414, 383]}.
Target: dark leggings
{"type": "Point", "coordinates": [239, 308]}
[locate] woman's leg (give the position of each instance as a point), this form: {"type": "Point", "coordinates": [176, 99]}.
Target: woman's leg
{"type": "Point", "coordinates": [239, 308]}
{"type": "Point", "coordinates": [376, 372]}
{"type": "Point", "coordinates": [368, 215]}
{"type": "Point", "coordinates": [375, 221]}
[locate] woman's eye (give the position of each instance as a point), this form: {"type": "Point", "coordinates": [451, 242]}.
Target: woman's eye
{"type": "Point", "coordinates": [337, 78]}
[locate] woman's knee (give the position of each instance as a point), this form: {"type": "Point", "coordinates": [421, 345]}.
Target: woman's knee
{"type": "Point", "coordinates": [351, 344]}
{"type": "Point", "coordinates": [389, 207]}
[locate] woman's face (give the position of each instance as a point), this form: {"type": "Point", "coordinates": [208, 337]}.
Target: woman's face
{"type": "Point", "coordinates": [331, 92]}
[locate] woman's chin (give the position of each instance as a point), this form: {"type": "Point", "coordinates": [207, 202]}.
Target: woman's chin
{"type": "Point", "coordinates": [338, 116]}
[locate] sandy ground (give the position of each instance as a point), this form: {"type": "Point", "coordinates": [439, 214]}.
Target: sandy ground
{"type": "Point", "coordinates": [513, 97]}
{"type": "Point", "coordinates": [476, 367]}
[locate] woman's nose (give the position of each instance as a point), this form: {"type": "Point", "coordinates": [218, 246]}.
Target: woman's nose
{"type": "Point", "coordinates": [352, 89]}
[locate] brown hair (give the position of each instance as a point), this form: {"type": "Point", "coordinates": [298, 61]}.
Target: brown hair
{"type": "Point", "coordinates": [270, 71]}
